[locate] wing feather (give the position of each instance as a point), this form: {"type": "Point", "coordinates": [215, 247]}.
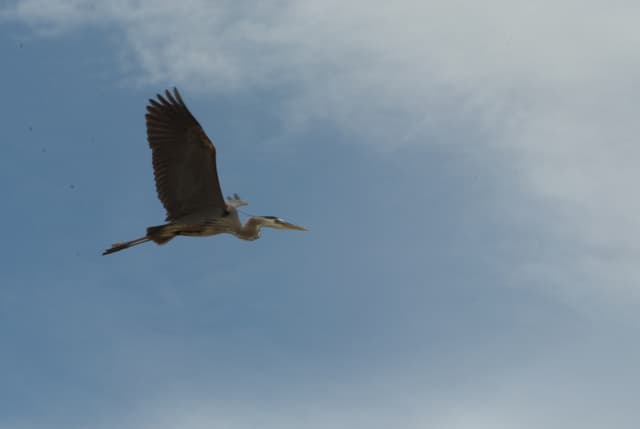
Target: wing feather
{"type": "Point", "coordinates": [184, 159]}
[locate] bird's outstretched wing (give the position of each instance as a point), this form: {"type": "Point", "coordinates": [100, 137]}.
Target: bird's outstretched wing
{"type": "Point", "coordinates": [236, 202]}
{"type": "Point", "coordinates": [184, 159]}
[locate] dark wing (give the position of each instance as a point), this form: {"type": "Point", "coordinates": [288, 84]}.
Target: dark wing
{"type": "Point", "coordinates": [184, 159]}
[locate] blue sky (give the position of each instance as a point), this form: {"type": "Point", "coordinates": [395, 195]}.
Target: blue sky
{"type": "Point", "coordinates": [468, 179]}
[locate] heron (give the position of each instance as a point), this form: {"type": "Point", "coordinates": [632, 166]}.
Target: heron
{"type": "Point", "coordinates": [186, 178]}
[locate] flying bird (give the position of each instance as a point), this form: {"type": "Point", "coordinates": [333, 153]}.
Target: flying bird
{"type": "Point", "coordinates": [184, 167]}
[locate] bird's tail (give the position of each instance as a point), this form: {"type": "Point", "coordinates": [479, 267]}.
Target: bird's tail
{"type": "Point", "coordinates": [162, 233]}
{"type": "Point", "coordinates": [121, 246]}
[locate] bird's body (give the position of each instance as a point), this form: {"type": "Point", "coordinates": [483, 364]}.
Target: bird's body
{"type": "Point", "coordinates": [206, 224]}
{"type": "Point", "coordinates": [185, 171]}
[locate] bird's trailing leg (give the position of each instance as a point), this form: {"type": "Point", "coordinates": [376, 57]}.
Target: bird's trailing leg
{"type": "Point", "coordinates": [121, 246]}
{"type": "Point", "coordinates": [158, 234]}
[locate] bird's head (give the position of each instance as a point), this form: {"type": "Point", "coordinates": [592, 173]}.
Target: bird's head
{"type": "Point", "coordinates": [277, 223]}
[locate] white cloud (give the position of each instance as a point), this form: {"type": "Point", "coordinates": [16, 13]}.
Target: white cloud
{"type": "Point", "coordinates": [552, 83]}
{"type": "Point", "coordinates": [553, 390]}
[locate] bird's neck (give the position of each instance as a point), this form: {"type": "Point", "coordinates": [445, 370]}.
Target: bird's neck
{"type": "Point", "coordinates": [250, 230]}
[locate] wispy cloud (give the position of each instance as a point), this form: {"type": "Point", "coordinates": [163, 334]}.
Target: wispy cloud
{"type": "Point", "coordinates": [548, 390]}
{"type": "Point", "coordinates": [552, 84]}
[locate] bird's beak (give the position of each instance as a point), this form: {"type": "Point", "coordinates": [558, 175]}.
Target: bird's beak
{"type": "Point", "coordinates": [288, 225]}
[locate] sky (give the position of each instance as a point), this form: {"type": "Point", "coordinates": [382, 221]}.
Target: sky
{"type": "Point", "coordinates": [467, 173]}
